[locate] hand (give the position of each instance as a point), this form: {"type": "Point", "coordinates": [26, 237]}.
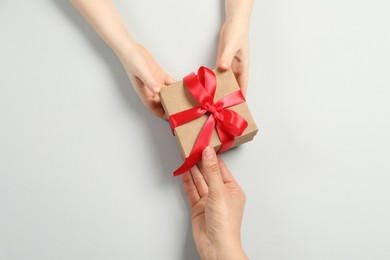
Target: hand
{"type": "Point", "coordinates": [233, 51]}
{"type": "Point", "coordinates": [217, 204]}
{"type": "Point", "coordinates": [146, 76]}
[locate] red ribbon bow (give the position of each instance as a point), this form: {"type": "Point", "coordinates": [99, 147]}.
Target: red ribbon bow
{"type": "Point", "coordinates": [227, 122]}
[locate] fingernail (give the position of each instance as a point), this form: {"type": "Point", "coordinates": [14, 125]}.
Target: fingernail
{"type": "Point", "coordinates": [224, 66]}
{"type": "Point", "coordinates": [209, 153]}
{"type": "Point", "coordinates": [156, 89]}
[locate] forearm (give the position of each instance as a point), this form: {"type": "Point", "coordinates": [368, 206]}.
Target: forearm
{"type": "Point", "coordinates": [107, 22]}
{"type": "Point", "coordinates": [238, 11]}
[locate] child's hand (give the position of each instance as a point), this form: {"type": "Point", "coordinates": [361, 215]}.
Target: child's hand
{"type": "Point", "coordinates": [146, 76]}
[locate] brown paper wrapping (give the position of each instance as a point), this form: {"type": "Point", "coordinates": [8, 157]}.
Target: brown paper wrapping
{"type": "Point", "coordinates": [176, 98]}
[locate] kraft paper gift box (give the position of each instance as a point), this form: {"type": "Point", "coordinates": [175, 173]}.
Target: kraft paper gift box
{"type": "Point", "coordinates": [176, 98]}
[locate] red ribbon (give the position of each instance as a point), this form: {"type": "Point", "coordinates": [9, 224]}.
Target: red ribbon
{"type": "Point", "coordinates": [228, 123]}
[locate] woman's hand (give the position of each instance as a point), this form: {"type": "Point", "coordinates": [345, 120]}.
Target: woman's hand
{"type": "Point", "coordinates": [233, 49]}
{"type": "Point", "coordinates": [217, 204]}
{"type": "Point", "coordinates": [146, 76]}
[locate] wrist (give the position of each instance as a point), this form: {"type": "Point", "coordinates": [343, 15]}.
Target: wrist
{"type": "Point", "coordinates": [237, 24]}
{"type": "Point", "coordinates": [232, 251]}
{"type": "Point", "coordinates": [239, 12]}
{"type": "Point", "coordinates": [124, 48]}
{"type": "Point", "coordinates": [237, 19]}
{"type": "Point", "coordinates": [224, 252]}
{"type": "Point", "coordinates": [237, 254]}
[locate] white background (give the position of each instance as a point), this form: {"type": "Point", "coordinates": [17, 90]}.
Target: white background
{"type": "Point", "coordinates": [85, 171]}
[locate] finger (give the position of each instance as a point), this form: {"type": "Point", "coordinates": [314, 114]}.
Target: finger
{"type": "Point", "coordinates": [200, 167]}
{"type": "Point", "coordinates": [244, 90]}
{"type": "Point", "coordinates": [189, 188]}
{"type": "Point", "coordinates": [150, 82]}
{"type": "Point", "coordinates": [199, 181]}
{"type": "Point", "coordinates": [244, 78]}
{"type": "Point", "coordinates": [211, 169]}
{"type": "Point", "coordinates": [227, 176]}
{"type": "Point", "coordinates": [159, 112]}
{"type": "Point", "coordinates": [154, 106]}
{"type": "Point", "coordinates": [225, 57]}
{"type": "Point", "coordinates": [164, 116]}
{"type": "Point", "coordinates": [242, 81]}
{"type": "Point", "coordinates": [169, 80]}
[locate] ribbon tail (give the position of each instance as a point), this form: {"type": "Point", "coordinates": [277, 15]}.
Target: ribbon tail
{"type": "Point", "coordinates": [202, 142]}
{"type": "Point", "coordinates": [227, 140]}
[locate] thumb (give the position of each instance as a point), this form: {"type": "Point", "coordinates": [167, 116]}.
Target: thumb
{"type": "Point", "coordinates": [169, 80]}
{"type": "Point", "coordinates": [211, 169]}
{"type": "Point", "coordinates": [225, 57]}
{"type": "Point", "coordinates": [149, 81]}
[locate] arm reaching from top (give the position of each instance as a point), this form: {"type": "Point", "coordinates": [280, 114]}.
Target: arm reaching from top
{"type": "Point", "coordinates": [233, 49]}
{"type": "Point", "coordinates": [145, 74]}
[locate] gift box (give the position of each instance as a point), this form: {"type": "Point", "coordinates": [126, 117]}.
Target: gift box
{"type": "Point", "coordinates": [207, 109]}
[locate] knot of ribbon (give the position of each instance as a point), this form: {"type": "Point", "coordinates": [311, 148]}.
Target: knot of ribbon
{"type": "Point", "coordinates": [228, 123]}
